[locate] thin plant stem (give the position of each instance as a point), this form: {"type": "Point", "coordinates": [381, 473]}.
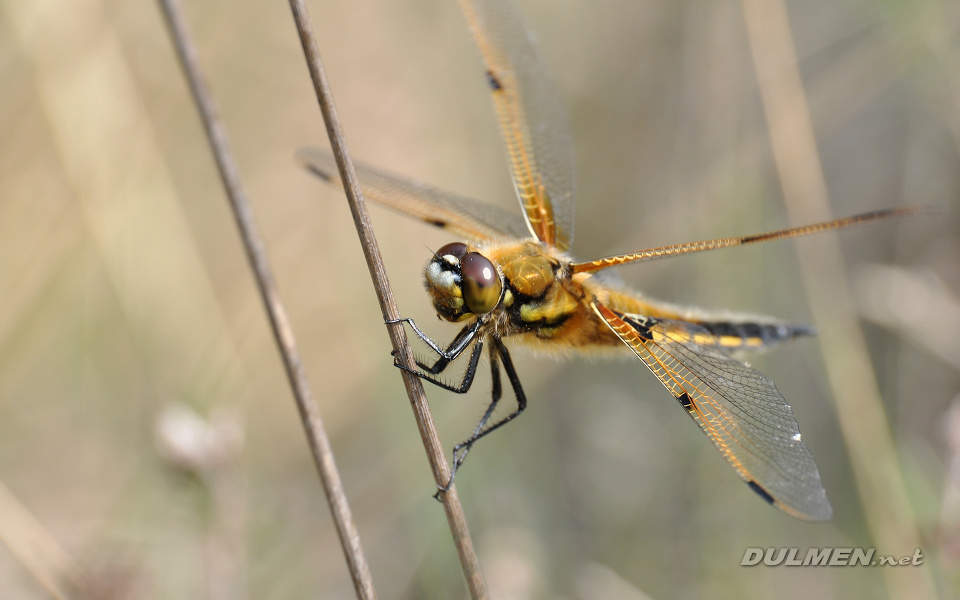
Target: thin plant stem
{"type": "Point", "coordinates": [279, 322]}
{"type": "Point", "coordinates": [371, 251]}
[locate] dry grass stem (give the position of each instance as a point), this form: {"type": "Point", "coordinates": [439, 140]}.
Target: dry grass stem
{"type": "Point", "coordinates": [418, 401]}
{"type": "Point", "coordinates": [256, 253]}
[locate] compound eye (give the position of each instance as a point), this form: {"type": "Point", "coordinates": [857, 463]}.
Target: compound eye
{"type": "Point", "coordinates": [456, 249]}
{"type": "Point", "coordinates": [481, 283]}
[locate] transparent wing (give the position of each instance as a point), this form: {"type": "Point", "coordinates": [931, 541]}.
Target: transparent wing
{"type": "Point", "coordinates": [532, 119]}
{"type": "Point", "coordinates": [465, 217]}
{"type": "Point", "coordinates": [780, 234]}
{"type": "Point", "coordinates": [739, 409]}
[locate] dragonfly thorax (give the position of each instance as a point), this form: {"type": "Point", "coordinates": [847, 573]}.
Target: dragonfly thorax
{"type": "Point", "coordinates": [462, 283]}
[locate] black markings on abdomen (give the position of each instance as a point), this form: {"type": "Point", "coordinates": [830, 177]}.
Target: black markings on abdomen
{"type": "Point", "coordinates": [768, 333]}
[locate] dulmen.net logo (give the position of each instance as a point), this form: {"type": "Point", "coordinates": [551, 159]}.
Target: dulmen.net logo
{"type": "Point", "coordinates": [826, 557]}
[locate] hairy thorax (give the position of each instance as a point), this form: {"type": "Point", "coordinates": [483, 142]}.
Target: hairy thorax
{"type": "Point", "coordinates": [542, 304]}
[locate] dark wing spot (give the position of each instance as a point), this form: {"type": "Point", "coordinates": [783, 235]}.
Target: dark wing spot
{"type": "Point", "coordinates": [642, 327]}
{"type": "Point", "coordinates": [493, 82]}
{"type": "Point", "coordinates": [684, 400]}
{"type": "Point", "coordinates": [320, 173]}
{"type": "Point", "coordinates": [760, 491]}
{"type": "Point", "coordinates": [437, 222]}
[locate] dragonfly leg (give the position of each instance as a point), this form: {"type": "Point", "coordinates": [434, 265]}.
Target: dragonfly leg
{"type": "Point", "coordinates": [454, 350]}
{"type": "Point", "coordinates": [429, 373]}
{"type": "Point", "coordinates": [498, 355]}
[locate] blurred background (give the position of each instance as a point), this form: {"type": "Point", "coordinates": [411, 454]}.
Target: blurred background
{"type": "Point", "coordinates": [149, 445]}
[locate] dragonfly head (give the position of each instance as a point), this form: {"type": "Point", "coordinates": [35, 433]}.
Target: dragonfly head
{"type": "Point", "coordinates": [462, 283]}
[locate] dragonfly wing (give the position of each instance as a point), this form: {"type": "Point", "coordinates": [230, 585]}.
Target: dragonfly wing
{"type": "Point", "coordinates": [532, 119]}
{"type": "Point", "coordinates": [463, 216]}
{"type": "Point", "coordinates": [739, 409]}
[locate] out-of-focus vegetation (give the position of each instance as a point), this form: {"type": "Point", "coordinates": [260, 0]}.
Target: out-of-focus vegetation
{"type": "Point", "coordinates": [145, 420]}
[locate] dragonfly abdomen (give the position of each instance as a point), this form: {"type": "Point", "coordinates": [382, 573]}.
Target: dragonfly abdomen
{"type": "Point", "coordinates": [750, 335]}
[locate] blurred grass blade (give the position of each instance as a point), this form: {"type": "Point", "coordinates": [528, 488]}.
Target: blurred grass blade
{"type": "Point", "coordinates": [853, 383]}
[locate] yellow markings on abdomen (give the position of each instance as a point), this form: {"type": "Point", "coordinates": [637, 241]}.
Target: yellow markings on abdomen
{"type": "Point", "coordinates": [707, 339]}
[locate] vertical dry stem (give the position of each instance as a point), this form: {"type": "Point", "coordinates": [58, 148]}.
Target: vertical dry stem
{"type": "Point", "coordinates": [441, 471]}
{"type": "Point", "coordinates": [256, 253]}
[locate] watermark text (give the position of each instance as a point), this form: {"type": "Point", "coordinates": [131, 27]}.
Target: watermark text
{"type": "Point", "coordinates": [826, 557]}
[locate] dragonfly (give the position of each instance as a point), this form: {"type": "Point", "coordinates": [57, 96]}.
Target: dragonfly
{"type": "Point", "coordinates": [509, 277]}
